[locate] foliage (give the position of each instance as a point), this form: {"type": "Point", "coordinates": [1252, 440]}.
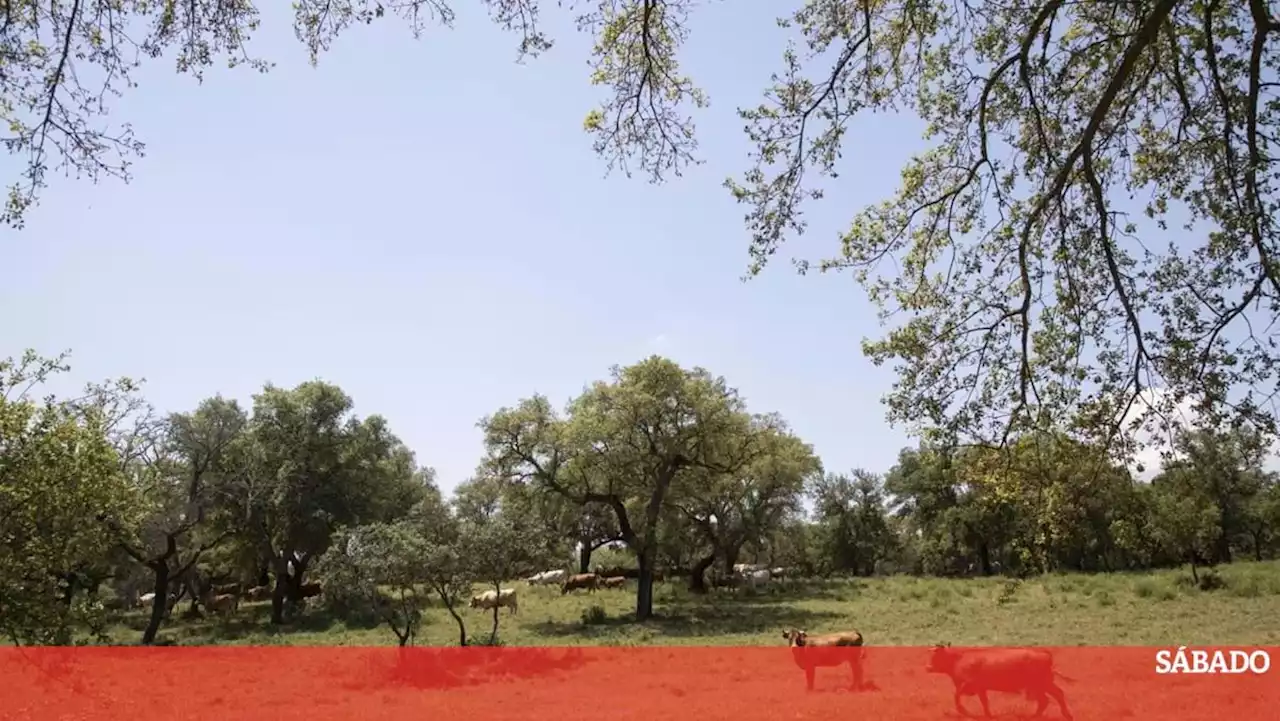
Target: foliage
{"type": "Point", "coordinates": [58, 473]}
{"type": "Point", "coordinates": [631, 444]}
{"type": "Point", "coordinates": [364, 559]}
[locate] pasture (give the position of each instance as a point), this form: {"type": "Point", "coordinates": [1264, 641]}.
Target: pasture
{"type": "Point", "coordinates": [1157, 608]}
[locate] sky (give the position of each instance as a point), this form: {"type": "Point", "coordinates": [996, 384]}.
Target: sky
{"type": "Point", "coordinates": [423, 223]}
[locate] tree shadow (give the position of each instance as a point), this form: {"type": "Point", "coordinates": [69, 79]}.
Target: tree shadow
{"type": "Point", "coordinates": [692, 620]}
{"type": "Point", "coordinates": [446, 668]}
{"type": "Point", "coordinates": [247, 622]}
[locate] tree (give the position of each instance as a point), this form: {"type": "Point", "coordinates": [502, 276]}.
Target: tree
{"type": "Point", "coordinates": [308, 467]}
{"type": "Point", "coordinates": [731, 510]}
{"type": "Point", "coordinates": [630, 444]}
{"type": "Point", "coordinates": [174, 465]}
{"type": "Point", "coordinates": [1225, 467]}
{"type": "Point", "coordinates": [1187, 525]}
{"type": "Point", "coordinates": [58, 472]}
{"type": "Point", "coordinates": [498, 548]}
{"type": "Point", "coordinates": [366, 558]}
{"type": "Point", "coordinates": [852, 512]}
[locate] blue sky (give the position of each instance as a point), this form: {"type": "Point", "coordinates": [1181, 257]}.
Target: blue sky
{"type": "Point", "coordinates": [424, 224]}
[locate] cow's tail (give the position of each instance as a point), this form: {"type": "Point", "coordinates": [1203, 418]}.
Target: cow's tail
{"type": "Point", "coordinates": [1064, 677]}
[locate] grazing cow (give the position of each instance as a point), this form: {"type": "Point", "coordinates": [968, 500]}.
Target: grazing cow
{"type": "Point", "coordinates": [258, 593]}
{"type": "Point", "coordinates": [1013, 670]}
{"type": "Point", "coordinates": [831, 649]}
{"type": "Point", "coordinates": [494, 599]}
{"type": "Point", "coordinates": [223, 603]}
{"type": "Point", "coordinates": [588, 581]}
{"type": "Point", "coordinates": [310, 589]}
{"type": "Point", "coordinates": [547, 578]}
{"type": "Point", "coordinates": [615, 582]}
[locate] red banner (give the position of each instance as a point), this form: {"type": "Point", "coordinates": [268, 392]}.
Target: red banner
{"type": "Point", "coordinates": [625, 683]}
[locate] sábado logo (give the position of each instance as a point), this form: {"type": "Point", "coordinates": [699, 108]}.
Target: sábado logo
{"type": "Point", "coordinates": [1198, 660]}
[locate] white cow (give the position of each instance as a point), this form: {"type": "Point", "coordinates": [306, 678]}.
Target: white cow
{"type": "Point", "coordinates": [547, 578]}
{"type": "Point", "coordinates": [742, 569]}
{"type": "Point", "coordinates": [755, 578]}
{"type": "Point", "coordinates": [146, 599]}
{"type": "Point", "coordinates": [491, 599]}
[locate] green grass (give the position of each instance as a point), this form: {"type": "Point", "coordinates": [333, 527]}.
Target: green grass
{"type": "Point", "coordinates": [1159, 608]}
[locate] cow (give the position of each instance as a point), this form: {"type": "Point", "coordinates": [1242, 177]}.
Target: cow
{"type": "Point", "coordinates": [222, 603]}
{"type": "Point", "coordinates": [310, 589]}
{"type": "Point", "coordinates": [1014, 670]}
{"type": "Point", "coordinates": [547, 578]}
{"type": "Point", "coordinates": [755, 578]}
{"type": "Point", "coordinates": [589, 581]}
{"type": "Point", "coordinates": [831, 649]}
{"type": "Point", "coordinates": [145, 599]}
{"type": "Point", "coordinates": [258, 593]}
{"type": "Point", "coordinates": [226, 588]}
{"type": "Point", "coordinates": [741, 569]}
{"type": "Point", "coordinates": [615, 582]}
{"type": "Point", "coordinates": [494, 599]}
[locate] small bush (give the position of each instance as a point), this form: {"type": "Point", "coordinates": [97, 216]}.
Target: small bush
{"type": "Point", "coordinates": [1145, 588]}
{"type": "Point", "coordinates": [594, 615]}
{"type": "Point", "coordinates": [1211, 580]}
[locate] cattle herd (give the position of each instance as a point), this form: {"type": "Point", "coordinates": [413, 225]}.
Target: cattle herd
{"type": "Point", "coordinates": [973, 672]}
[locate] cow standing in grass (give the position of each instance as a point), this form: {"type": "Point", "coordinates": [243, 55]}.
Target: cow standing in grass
{"type": "Point", "coordinates": [494, 600]}
{"type": "Point", "coordinates": [1010, 670]}
{"type": "Point", "coordinates": [589, 581]}
{"type": "Point", "coordinates": [831, 649]}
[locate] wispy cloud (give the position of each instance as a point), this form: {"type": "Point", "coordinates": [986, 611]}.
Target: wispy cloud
{"type": "Point", "coordinates": [1181, 415]}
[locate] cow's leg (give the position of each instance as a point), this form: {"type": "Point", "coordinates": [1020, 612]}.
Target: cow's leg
{"type": "Point", "coordinates": [1061, 698]}
{"type": "Point", "coordinates": [959, 706]}
{"type": "Point", "coordinates": [986, 707]}
{"type": "Point", "coordinates": [855, 667]}
{"type": "Point", "coordinates": [1042, 701]}
{"type": "Point", "coordinates": [808, 677]}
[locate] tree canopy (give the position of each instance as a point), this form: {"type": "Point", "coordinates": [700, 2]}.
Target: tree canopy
{"type": "Point", "coordinates": [1087, 242]}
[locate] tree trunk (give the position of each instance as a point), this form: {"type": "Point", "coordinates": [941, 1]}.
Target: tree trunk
{"type": "Point", "coordinates": [731, 559]}
{"type": "Point", "coordinates": [493, 634]}
{"type": "Point", "coordinates": [584, 556]}
{"type": "Point", "coordinates": [278, 593]}
{"type": "Point", "coordinates": [697, 574]}
{"type": "Point", "coordinates": [1224, 549]}
{"type": "Point", "coordinates": [644, 587]}
{"type": "Point", "coordinates": [160, 603]}
{"type": "Point", "coordinates": [984, 558]}
{"type": "Point", "coordinates": [462, 626]}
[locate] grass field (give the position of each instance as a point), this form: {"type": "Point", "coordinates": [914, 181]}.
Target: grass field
{"type": "Point", "coordinates": [1160, 608]}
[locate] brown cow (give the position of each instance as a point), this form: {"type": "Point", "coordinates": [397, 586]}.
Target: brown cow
{"type": "Point", "coordinates": [615, 582]}
{"type": "Point", "coordinates": [1010, 670]}
{"type": "Point", "coordinates": [831, 649]}
{"type": "Point", "coordinates": [589, 581]}
{"type": "Point", "coordinates": [223, 603]}
{"type": "Point", "coordinates": [310, 589]}
{"type": "Point", "coordinates": [258, 593]}
{"type": "Point", "coordinates": [225, 589]}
